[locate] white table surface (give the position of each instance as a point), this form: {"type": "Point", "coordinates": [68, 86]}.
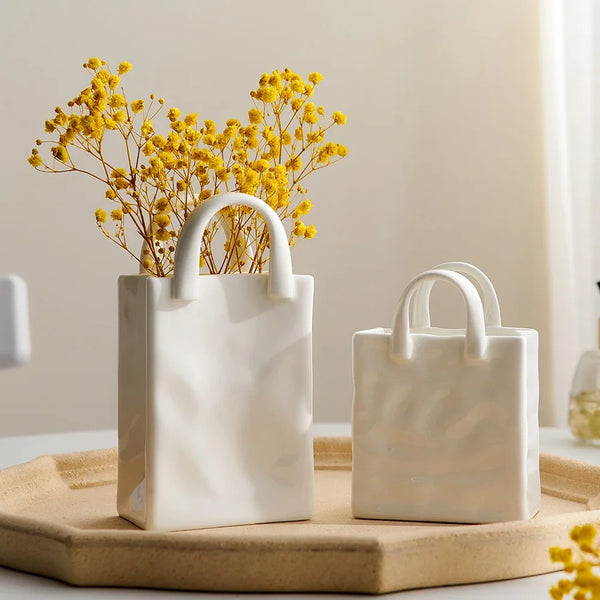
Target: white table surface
{"type": "Point", "coordinates": [16, 585]}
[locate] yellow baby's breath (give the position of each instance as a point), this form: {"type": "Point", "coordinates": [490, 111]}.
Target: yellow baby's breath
{"type": "Point", "coordinates": [162, 220]}
{"type": "Point", "coordinates": [310, 232]}
{"type": "Point", "coordinates": [35, 160]}
{"type": "Point", "coordinates": [93, 63]}
{"type": "Point", "coordinates": [159, 178]}
{"type": "Point", "coordinates": [315, 78]}
{"type": "Point", "coordinates": [585, 581]}
{"type": "Point", "coordinates": [339, 118]}
{"type": "Point", "coordinates": [137, 105]}
{"type": "Point", "coordinates": [124, 67]}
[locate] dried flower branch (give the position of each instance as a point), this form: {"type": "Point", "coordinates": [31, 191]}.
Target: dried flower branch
{"type": "Point", "coordinates": [585, 584]}
{"type": "Point", "coordinates": [160, 179]}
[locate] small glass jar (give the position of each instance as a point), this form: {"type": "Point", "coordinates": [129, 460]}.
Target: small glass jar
{"type": "Point", "coordinates": [584, 404]}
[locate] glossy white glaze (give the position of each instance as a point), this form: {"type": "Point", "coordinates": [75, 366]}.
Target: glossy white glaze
{"type": "Point", "coordinates": [445, 421]}
{"type": "Point", "coordinates": [215, 395]}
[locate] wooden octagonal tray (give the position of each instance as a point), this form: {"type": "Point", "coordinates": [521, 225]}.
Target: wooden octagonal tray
{"type": "Point", "coordinates": [58, 518]}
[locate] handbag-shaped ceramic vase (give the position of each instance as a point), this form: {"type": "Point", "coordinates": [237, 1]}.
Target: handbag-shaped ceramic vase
{"type": "Point", "coordinates": [445, 424]}
{"type": "Point", "coordinates": [215, 388]}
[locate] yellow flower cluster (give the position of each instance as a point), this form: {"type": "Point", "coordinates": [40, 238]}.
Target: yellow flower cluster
{"type": "Point", "coordinates": [160, 178]}
{"type": "Point", "coordinates": [585, 584]}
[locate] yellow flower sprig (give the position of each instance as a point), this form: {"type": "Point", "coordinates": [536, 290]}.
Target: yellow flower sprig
{"type": "Point", "coordinates": [585, 583]}
{"type": "Point", "coordinates": [159, 179]}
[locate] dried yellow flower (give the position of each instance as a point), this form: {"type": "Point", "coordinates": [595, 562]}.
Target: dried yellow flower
{"type": "Point", "coordinates": [210, 126]}
{"type": "Point", "coordinates": [173, 114]}
{"type": "Point", "coordinates": [173, 141]}
{"type": "Point", "coordinates": [294, 163]}
{"type": "Point", "coordinates": [585, 580]}
{"type": "Point", "coordinates": [137, 105]}
{"type": "Point", "coordinates": [315, 77]}
{"type": "Point", "coordinates": [162, 220]}
{"type": "Point", "coordinates": [310, 232]}
{"type": "Point", "coordinates": [159, 141]}
{"type": "Point", "coordinates": [299, 229]}
{"type": "Point", "coordinates": [286, 94]}
{"type": "Point", "coordinates": [339, 118]}
{"type": "Point", "coordinates": [60, 153]}
{"type": "Point", "coordinates": [117, 101]}
{"type": "Point", "coordinates": [162, 205]}
{"type": "Point", "coordinates": [35, 160]}
{"type": "Point", "coordinates": [61, 119]}
{"type": "Point", "coordinates": [254, 115]}
{"type": "Point", "coordinates": [124, 67]}
{"type": "Point", "coordinates": [304, 207]}
{"type": "Point", "coordinates": [118, 172]}
{"type": "Point", "coordinates": [167, 176]}
{"type": "Point", "coordinates": [261, 165]}
{"type": "Point", "coordinates": [121, 183]}
{"type": "Point", "coordinates": [267, 94]}
{"type": "Point", "coordinates": [222, 173]}
{"type": "Point", "coordinates": [162, 235]}
{"type": "Point", "coordinates": [148, 148]}
{"type": "Point", "coordinates": [297, 85]}
{"type": "Point", "coordinates": [191, 119]}
{"type": "Point", "coordinates": [147, 129]}
{"type": "Point", "coordinates": [93, 63]}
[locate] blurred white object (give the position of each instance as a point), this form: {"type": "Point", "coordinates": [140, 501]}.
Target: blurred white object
{"type": "Point", "coordinates": [15, 341]}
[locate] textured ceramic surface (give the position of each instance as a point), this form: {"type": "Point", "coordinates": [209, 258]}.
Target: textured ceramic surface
{"type": "Point", "coordinates": [58, 518]}
{"type": "Point", "coordinates": [445, 421]}
{"type": "Point", "coordinates": [215, 389]}
{"type": "Point", "coordinates": [15, 341]}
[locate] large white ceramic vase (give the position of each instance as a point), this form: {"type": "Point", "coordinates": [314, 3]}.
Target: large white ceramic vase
{"type": "Point", "coordinates": [215, 388]}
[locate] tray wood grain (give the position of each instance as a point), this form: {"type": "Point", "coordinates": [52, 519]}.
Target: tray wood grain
{"type": "Point", "coordinates": [58, 518]}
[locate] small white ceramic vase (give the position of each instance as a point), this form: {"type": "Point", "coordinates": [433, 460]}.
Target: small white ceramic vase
{"type": "Point", "coordinates": [445, 420]}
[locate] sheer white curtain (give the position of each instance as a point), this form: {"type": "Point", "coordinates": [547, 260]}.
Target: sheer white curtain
{"type": "Point", "coordinates": [571, 75]}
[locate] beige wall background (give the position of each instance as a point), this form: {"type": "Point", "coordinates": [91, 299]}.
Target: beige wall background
{"type": "Point", "coordinates": [444, 130]}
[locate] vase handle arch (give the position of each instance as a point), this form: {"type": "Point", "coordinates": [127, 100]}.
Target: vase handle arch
{"type": "Point", "coordinates": [185, 275]}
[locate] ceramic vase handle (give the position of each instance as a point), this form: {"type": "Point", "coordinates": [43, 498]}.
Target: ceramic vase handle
{"type": "Point", "coordinates": [475, 340]}
{"type": "Point", "coordinates": [491, 307]}
{"type": "Point", "coordinates": [185, 275]}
